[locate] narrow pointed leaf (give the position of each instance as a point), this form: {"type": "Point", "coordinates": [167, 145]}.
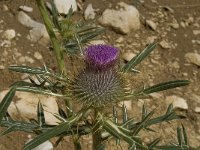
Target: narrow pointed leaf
{"type": "Point", "coordinates": [52, 133]}
{"type": "Point", "coordinates": [153, 143]}
{"type": "Point", "coordinates": [185, 135]}
{"type": "Point", "coordinates": [138, 58]}
{"type": "Point", "coordinates": [27, 69]}
{"type": "Point", "coordinates": [40, 114]}
{"type": "Point", "coordinates": [37, 90]}
{"type": "Point", "coordinates": [6, 102]}
{"type": "Point", "coordinates": [165, 86]}
{"type": "Point", "coordinates": [179, 136]}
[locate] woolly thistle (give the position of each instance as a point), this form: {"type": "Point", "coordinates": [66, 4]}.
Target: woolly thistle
{"type": "Point", "coordinates": [99, 84]}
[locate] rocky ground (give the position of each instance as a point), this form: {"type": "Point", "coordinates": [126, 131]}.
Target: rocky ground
{"type": "Point", "coordinates": [173, 24]}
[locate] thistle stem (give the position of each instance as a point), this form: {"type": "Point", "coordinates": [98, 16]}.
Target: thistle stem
{"type": "Point", "coordinates": [96, 136]}
{"type": "Point", "coordinates": [56, 45]}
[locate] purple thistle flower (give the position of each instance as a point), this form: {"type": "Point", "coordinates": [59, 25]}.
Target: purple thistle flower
{"type": "Point", "coordinates": [99, 84]}
{"type": "Point", "coordinates": [101, 57]}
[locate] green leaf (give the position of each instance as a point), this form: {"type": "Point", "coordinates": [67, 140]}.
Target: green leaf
{"type": "Point", "coordinates": [6, 102]}
{"type": "Point", "coordinates": [153, 143]}
{"type": "Point", "coordinates": [40, 114]}
{"type": "Point", "coordinates": [179, 136]}
{"type": "Point", "coordinates": [166, 86]}
{"type": "Point", "coordinates": [184, 135]}
{"type": "Point", "coordinates": [138, 58]}
{"type": "Point", "coordinates": [52, 133]}
{"type": "Point", "coordinates": [37, 90]}
{"type": "Point", "coordinates": [27, 69]}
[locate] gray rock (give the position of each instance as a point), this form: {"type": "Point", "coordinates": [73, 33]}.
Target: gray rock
{"type": "Point", "coordinates": [128, 56]}
{"type": "Point", "coordinates": [197, 109]}
{"type": "Point", "coordinates": [178, 102]}
{"type": "Point", "coordinates": [26, 8]}
{"type": "Point", "coordinates": [37, 55]}
{"type": "Point", "coordinates": [151, 24]}
{"type": "Point", "coordinates": [89, 12]}
{"type": "Point", "coordinates": [38, 31]}
{"type": "Point", "coordinates": [123, 20]}
{"type": "Point", "coordinates": [9, 34]}
{"type": "Point", "coordinates": [25, 108]}
{"type": "Point", "coordinates": [164, 44]}
{"type": "Point", "coordinates": [63, 6]}
{"type": "Point", "coordinates": [193, 58]}
{"type": "Point", "coordinates": [196, 32]}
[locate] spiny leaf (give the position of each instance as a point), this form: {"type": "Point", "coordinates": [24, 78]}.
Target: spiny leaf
{"type": "Point", "coordinates": [52, 133]}
{"type": "Point", "coordinates": [184, 135]}
{"type": "Point", "coordinates": [40, 114]}
{"type": "Point", "coordinates": [6, 102]}
{"type": "Point", "coordinates": [138, 58]}
{"type": "Point", "coordinates": [165, 86]}
{"type": "Point", "coordinates": [153, 143]}
{"type": "Point", "coordinates": [27, 69]}
{"type": "Point", "coordinates": [37, 90]}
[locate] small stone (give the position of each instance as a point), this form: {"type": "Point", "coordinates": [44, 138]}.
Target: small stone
{"type": "Point", "coordinates": [9, 34]}
{"type": "Point", "coordinates": [37, 55]}
{"type": "Point", "coordinates": [197, 109]}
{"type": "Point", "coordinates": [178, 102]}
{"type": "Point", "coordinates": [193, 58]}
{"type": "Point", "coordinates": [164, 44]}
{"type": "Point", "coordinates": [5, 7]}
{"type": "Point", "coordinates": [63, 6]}
{"type": "Point", "coordinates": [123, 20]}
{"type": "Point", "coordinates": [2, 67]}
{"type": "Point", "coordinates": [128, 56]}
{"type": "Point", "coordinates": [26, 8]}
{"type": "Point", "coordinates": [196, 32]}
{"type": "Point", "coordinates": [151, 39]}
{"type": "Point", "coordinates": [89, 12]}
{"type": "Point", "coordinates": [151, 24]}
{"type": "Point", "coordinates": [120, 40]}
{"type": "Point", "coordinates": [96, 42]}
{"type": "Point", "coordinates": [182, 24]}
{"type": "Point", "coordinates": [25, 108]}
{"type": "Point", "coordinates": [174, 25]}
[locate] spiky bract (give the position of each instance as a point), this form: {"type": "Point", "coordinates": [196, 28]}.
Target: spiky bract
{"type": "Point", "coordinates": [98, 89]}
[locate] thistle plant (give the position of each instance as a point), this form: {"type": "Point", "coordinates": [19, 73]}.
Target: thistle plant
{"type": "Point", "coordinates": [99, 86]}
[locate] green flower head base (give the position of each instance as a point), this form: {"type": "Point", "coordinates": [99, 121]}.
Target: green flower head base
{"type": "Point", "coordinates": [99, 84]}
{"type": "Point", "coordinates": [101, 57]}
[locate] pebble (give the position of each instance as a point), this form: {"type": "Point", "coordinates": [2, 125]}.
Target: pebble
{"type": "Point", "coordinates": [197, 109]}
{"type": "Point", "coordinates": [26, 8]}
{"type": "Point", "coordinates": [37, 55]}
{"type": "Point", "coordinates": [151, 24]}
{"type": "Point", "coordinates": [178, 102]}
{"type": "Point", "coordinates": [89, 12]}
{"type": "Point", "coordinates": [25, 108]}
{"type": "Point", "coordinates": [164, 44]}
{"type": "Point", "coordinates": [196, 32]}
{"type": "Point", "coordinates": [9, 34]}
{"type": "Point", "coordinates": [193, 58]}
{"type": "Point", "coordinates": [2, 67]}
{"type": "Point", "coordinates": [63, 6]}
{"type": "Point", "coordinates": [128, 56]}
{"type": "Point", "coordinates": [123, 21]}
{"type": "Point", "coordinates": [174, 25]}
{"type": "Point", "coordinates": [5, 7]}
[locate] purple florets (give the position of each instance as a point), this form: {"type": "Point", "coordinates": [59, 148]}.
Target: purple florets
{"type": "Point", "coordinates": [101, 56]}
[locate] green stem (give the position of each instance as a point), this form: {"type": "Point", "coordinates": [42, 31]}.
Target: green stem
{"type": "Point", "coordinates": [96, 136]}
{"type": "Point", "coordinates": [56, 45]}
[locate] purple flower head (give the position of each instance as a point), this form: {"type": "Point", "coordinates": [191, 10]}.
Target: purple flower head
{"type": "Point", "coordinates": [101, 56]}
